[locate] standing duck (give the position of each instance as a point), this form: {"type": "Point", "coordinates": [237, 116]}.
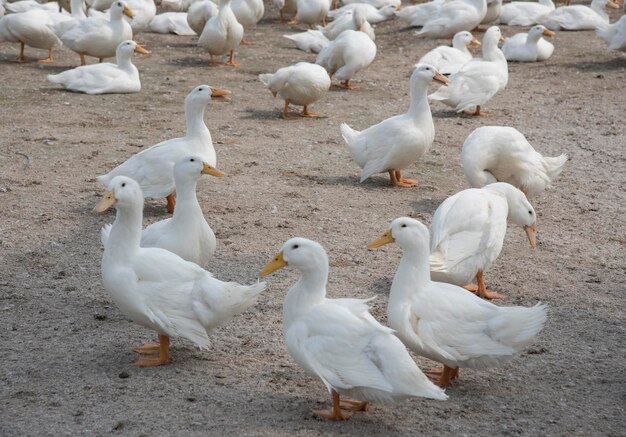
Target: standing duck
{"type": "Point", "coordinates": [502, 154]}
{"type": "Point", "coordinates": [444, 322]}
{"type": "Point", "coordinates": [350, 52]}
{"type": "Point", "coordinates": [339, 342]}
{"type": "Point", "coordinates": [222, 34]}
{"type": "Point", "coordinates": [98, 37]}
{"type": "Point", "coordinates": [153, 168]}
{"type": "Point", "coordinates": [301, 84]}
{"type": "Point", "coordinates": [479, 80]}
{"type": "Point", "coordinates": [156, 288]}
{"type": "Point", "coordinates": [397, 142]}
{"type": "Point", "coordinates": [468, 231]}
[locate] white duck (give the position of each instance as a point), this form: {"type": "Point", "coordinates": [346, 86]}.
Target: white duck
{"type": "Point", "coordinates": [444, 322]}
{"type": "Point", "coordinates": [153, 168]}
{"type": "Point", "coordinates": [312, 41]}
{"type": "Point", "coordinates": [34, 28]}
{"type": "Point", "coordinates": [286, 7]}
{"type": "Point", "coordinates": [199, 13]}
{"type": "Point", "coordinates": [158, 289]}
{"type": "Point", "coordinates": [468, 230]}
{"type": "Point", "coordinates": [349, 53]}
{"type": "Point", "coordinates": [97, 37]}
{"type": "Point", "coordinates": [311, 12]}
{"type": "Point", "coordinates": [376, 3]}
{"type": "Point", "coordinates": [171, 23]}
{"type": "Point", "coordinates": [578, 17]}
{"type": "Point", "coordinates": [397, 142]}
{"type": "Point", "coordinates": [186, 233]}
{"type": "Point", "coordinates": [354, 20]}
{"type": "Point", "coordinates": [144, 10]}
{"type": "Point", "coordinates": [29, 5]}
{"type": "Point", "coordinates": [448, 60]}
{"type": "Point", "coordinates": [105, 78]}
{"type": "Point", "coordinates": [525, 13]}
{"type": "Point", "coordinates": [371, 14]}
{"type": "Point", "coordinates": [339, 342]}
{"type": "Point", "coordinates": [452, 17]}
{"type": "Point", "coordinates": [478, 80]}
{"type": "Point", "coordinates": [248, 13]}
{"type": "Point", "coordinates": [301, 84]}
{"type": "Point", "coordinates": [614, 34]}
{"type": "Point", "coordinates": [529, 47]}
{"type": "Point", "coordinates": [222, 34]}
{"type": "Point", "coordinates": [494, 9]}
{"type": "Point", "coordinates": [418, 14]}
{"type": "Point", "coordinates": [502, 154]}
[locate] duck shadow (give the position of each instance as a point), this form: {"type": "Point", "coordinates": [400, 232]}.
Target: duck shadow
{"type": "Point", "coordinates": [348, 181]}
{"type": "Point", "coordinates": [191, 62]}
{"type": "Point", "coordinates": [445, 114]}
{"type": "Point", "coordinates": [612, 65]}
{"type": "Point", "coordinates": [262, 114]}
{"type": "Point", "coordinates": [426, 206]}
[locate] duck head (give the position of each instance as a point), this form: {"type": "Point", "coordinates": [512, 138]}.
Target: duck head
{"type": "Point", "coordinates": [405, 231]}
{"type": "Point", "coordinates": [122, 192]}
{"type": "Point", "coordinates": [192, 167]}
{"type": "Point", "coordinates": [301, 253]}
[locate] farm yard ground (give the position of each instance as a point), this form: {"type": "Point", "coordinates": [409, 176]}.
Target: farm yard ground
{"type": "Point", "coordinates": [66, 364]}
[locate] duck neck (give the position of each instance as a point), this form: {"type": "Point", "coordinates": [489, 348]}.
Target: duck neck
{"type": "Point", "coordinates": [125, 233]}
{"type": "Point", "coordinates": [195, 122]}
{"type": "Point", "coordinates": [186, 200]}
{"type": "Point", "coordinates": [123, 61]}
{"type": "Point", "coordinates": [77, 10]}
{"type": "Point", "coordinates": [491, 51]}
{"type": "Point", "coordinates": [413, 274]}
{"type": "Point", "coordinates": [419, 109]}
{"type": "Point", "coordinates": [307, 293]}
{"type": "Point", "coordinates": [599, 9]}
{"type": "Point", "coordinates": [533, 38]}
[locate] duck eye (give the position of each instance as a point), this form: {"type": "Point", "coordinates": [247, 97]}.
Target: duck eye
{"type": "Point", "coordinates": [530, 212]}
{"type": "Point", "coordinates": [192, 160]}
{"type": "Point", "coordinates": [123, 184]}
{"type": "Point", "coordinates": [295, 246]}
{"type": "Point", "coordinates": [404, 225]}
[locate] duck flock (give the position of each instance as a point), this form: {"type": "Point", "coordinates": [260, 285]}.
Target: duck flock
{"type": "Point", "coordinates": [439, 305]}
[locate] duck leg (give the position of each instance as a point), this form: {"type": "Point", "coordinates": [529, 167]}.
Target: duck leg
{"type": "Point", "coordinates": [399, 181]}
{"type": "Point", "coordinates": [293, 21]}
{"type": "Point", "coordinates": [48, 59]}
{"type": "Point", "coordinates": [346, 84]}
{"type": "Point", "coordinates": [246, 42]}
{"type": "Point", "coordinates": [148, 349]}
{"type": "Point", "coordinates": [286, 114]}
{"type": "Point", "coordinates": [82, 59]}
{"type": "Point", "coordinates": [163, 358]}
{"type": "Point", "coordinates": [231, 61]}
{"type": "Point", "coordinates": [171, 203]}
{"type": "Point", "coordinates": [335, 413]}
{"type": "Point", "coordinates": [354, 405]}
{"type": "Point", "coordinates": [21, 57]}
{"type": "Point", "coordinates": [477, 112]}
{"type": "Point", "coordinates": [213, 61]}
{"type": "Point", "coordinates": [482, 290]}
{"type": "Point", "coordinates": [305, 113]}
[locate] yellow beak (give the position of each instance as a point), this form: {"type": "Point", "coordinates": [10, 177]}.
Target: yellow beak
{"type": "Point", "coordinates": [502, 39]}
{"type": "Point", "coordinates": [386, 238]}
{"type": "Point", "coordinates": [474, 42]}
{"type": "Point", "coordinates": [207, 169]}
{"type": "Point", "coordinates": [128, 12]}
{"type": "Point", "coordinates": [107, 201]}
{"type": "Point", "coordinates": [219, 92]}
{"type": "Point", "coordinates": [441, 78]}
{"type": "Point", "coordinates": [276, 263]}
{"type": "Point", "coordinates": [530, 233]}
{"type": "Point", "coordinates": [141, 49]}
{"type": "Point", "coordinates": [612, 5]}
{"type": "Point", "coordinates": [547, 32]}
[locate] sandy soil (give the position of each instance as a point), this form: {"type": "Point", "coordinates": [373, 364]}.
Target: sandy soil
{"type": "Point", "coordinates": [66, 364]}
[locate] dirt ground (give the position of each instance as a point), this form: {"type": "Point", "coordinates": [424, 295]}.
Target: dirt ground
{"type": "Point", "coordinates": [66, 363]}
